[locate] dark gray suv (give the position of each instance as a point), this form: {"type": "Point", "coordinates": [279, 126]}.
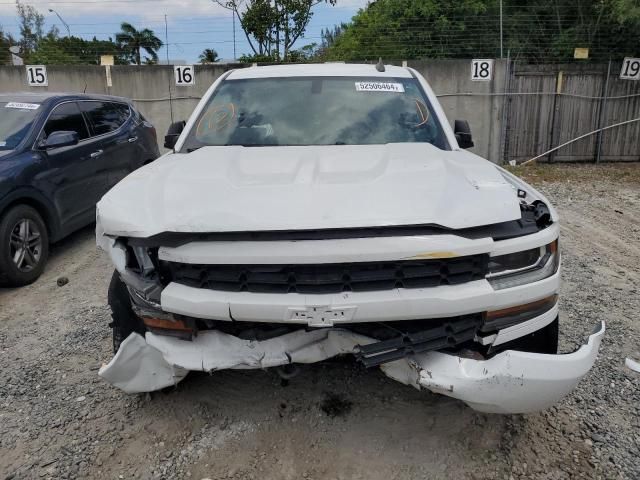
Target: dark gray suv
{"type": "Point", "coordinates": [59, 154]}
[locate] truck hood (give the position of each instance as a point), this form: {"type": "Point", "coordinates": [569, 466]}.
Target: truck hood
{"type": "Point", "coordinates": [234, 188]}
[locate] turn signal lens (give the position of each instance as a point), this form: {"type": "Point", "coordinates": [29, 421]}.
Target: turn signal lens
{"type": "Point", "coordinates": [165, 324]}
{"type": "Point", "coordinates": [506, 317]}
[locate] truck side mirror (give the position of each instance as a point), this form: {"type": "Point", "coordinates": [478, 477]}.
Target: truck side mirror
{"type": "Point", "coordinates": [175, 129]}
{"type": "Point", "coordinates": [463, 133]}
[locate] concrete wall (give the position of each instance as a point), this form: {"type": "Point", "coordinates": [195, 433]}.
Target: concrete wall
{"type": "Point", "coordinates": [464, 99]}
{"type": "Point", "coordinates": [148, 86]}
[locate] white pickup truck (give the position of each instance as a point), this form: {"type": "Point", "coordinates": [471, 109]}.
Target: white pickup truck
{"type": "Point", "coordinates": [310, 211]}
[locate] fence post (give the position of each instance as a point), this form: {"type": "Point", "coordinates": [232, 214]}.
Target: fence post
{"type": "Point", "coordinates": [553, 135]}
{"type": "Point", "coordinates": [602, 114]}
{"type": "Point", "coordinates": [506, 104]}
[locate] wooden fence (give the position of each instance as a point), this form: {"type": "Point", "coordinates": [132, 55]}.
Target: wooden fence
{"type": "Point", "coordinates": [551, 104]}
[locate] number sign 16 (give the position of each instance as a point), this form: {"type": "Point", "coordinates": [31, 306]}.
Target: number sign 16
{"type": "Point", "coordinates": [37, 76]}
{"type": "Point", "coordinates": [630, 69]}
{"type": "Point", "coordinates": [185, 75]}
{"type": "Point", "coordinates": [482, 69]}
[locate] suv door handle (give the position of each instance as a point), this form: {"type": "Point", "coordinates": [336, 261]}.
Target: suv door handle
{"type": "Point", "coordinates": [97, 153]}
{"type": "Point", "coordinates": [133, 139]}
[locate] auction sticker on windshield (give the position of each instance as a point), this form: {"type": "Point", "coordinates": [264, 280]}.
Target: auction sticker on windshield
{"type": "Point", "coordinates": [22, 106]}
{"type": "Point", "coordinates": [379, 87]}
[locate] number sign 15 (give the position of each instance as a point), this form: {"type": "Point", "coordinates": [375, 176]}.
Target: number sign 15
{"type": "Point", "coordinates": [185, 75]}
{"type": "Point", "coordinates": [630, 69]}
{"type": "Point", "coordinates": [482, 69]}
{"type": "Point", "coordinates": [37, 76]}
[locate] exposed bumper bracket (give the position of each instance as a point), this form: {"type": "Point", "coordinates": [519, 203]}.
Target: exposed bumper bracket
{"type": "Point", "coordinates": [445, 335]}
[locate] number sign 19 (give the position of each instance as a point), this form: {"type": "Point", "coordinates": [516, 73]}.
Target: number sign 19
{"type": "Point", "coordinates": [482, 69]}
{"type": "Point", "coordinates": [630, 69]}
{"type": "Point", "coordinates": [37, 76]}
{"type": "Point", "coordinates": [185, 75]}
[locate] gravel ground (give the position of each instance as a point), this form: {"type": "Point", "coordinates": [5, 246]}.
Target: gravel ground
{"type": "Point", "coordinates": [336, 420]}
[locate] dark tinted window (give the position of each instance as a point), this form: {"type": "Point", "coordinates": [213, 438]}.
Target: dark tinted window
{"type": "Point", "coordinates": [66, 117]}
{"type": "Point", "coordinates": [105, 117]}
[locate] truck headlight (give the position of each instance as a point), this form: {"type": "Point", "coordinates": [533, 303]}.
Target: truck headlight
{"type": "Point", "coordinates": [527, 266]}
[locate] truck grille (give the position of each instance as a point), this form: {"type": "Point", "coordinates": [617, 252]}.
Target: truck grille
{"type": "Point", "coordinates": [331, 278]}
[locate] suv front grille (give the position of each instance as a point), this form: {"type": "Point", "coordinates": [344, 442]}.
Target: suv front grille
{"type": "Point", "coordinates": [331, 278]}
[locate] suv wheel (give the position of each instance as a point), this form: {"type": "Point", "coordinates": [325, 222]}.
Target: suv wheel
{"type": "Point", "coordinates": [125, 322]}
{"type": "Point", "coordinates": [24, 246]}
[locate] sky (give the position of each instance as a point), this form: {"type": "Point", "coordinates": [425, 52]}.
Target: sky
{"type": "Point", "coordinates": [193, 25]}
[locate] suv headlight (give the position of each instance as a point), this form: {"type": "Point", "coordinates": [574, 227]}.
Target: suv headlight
{"type": "Point", "coordinates": [528, 266]}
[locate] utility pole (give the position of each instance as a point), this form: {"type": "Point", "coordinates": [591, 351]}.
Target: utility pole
{"type": "Point", "coordinates": [602, 118]}
{"type": "Point", "coordinates": [51, 10]}
{"type": "Point", "coordinates": [166, 41]}
{"type": "Point", "coordinates": [233, 15]}
{"type": "Point", "coordinates": [501, 55]}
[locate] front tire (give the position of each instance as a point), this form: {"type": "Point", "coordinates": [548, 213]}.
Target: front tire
{"type": "Point", "coordinates": [24, 246]}
{"type": "Point", "coordinates": [125, 322]}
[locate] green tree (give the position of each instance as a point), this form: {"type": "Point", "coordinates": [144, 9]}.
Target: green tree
{"type": "Point", "coordinates": [74, 51]}
{"type": "Point", "coordinates": [131, 42]}
{"type": "Point", "coordinates": [31, 24]}
{"type": "Point", "coordinates": [546, 30]}
{"type": "Point", "coordinates": [272, 27]}
{"type": "Point", "coordinates": [90, 51]}
{"type": "Point", "coordinates": [308, 53]}
{"type": "Point", "coordinates": [257, 59]}
{"type": "Point", "coordinates": [50, 52]}
{"type": "Point", "coordinates": [552, 30]}
{"type": "Point", "coordinates": [209, 55]}
{"type": "Point", "coordinates": [328, 39]}
{"type": "Point", "coordinates": [407, 29]}
{"type": "Point", "coordinates": [6, 41]}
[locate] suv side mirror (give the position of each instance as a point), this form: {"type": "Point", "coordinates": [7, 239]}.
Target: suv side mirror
{"type": "Point", "coordinates": [175, 129]}
{"type": "Point", "coordinates": [463, 133]}
{"type": "Point", "coordinates": [60, 139]}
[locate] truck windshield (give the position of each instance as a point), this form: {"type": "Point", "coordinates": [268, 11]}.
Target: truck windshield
{"type": "Point", "coordinates": [15, 121]}
{"type": "Point", "coordinates": [316, 111]}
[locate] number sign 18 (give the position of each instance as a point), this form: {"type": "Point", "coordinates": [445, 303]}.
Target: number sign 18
{"type": "Point", "coordinates": [185, 75]}
{"type": "Point", "coordinates": [37, 76]}
{"type": "Point", "coordinates": [630, 69]}
{"type": "Point", "coordinates": [482, 69]}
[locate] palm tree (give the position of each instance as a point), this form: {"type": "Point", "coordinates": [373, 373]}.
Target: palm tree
{"type": "Point", "coordinates": [209, 55]}
{"type": "Point", "coordinates": [132, 42]}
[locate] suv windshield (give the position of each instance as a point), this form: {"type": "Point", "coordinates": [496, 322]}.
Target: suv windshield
{"type": "Point", "coordinates": [316, 111]}
{"type": "Point", "coordinates": [15, 121]}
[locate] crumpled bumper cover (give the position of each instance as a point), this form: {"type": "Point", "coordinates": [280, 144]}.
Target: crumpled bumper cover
{"type": "Point", "coordinates": [510, 382]}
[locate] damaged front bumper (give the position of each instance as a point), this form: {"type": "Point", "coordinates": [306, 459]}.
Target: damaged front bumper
{"type": "Point", "coordinates": [509, 382]}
